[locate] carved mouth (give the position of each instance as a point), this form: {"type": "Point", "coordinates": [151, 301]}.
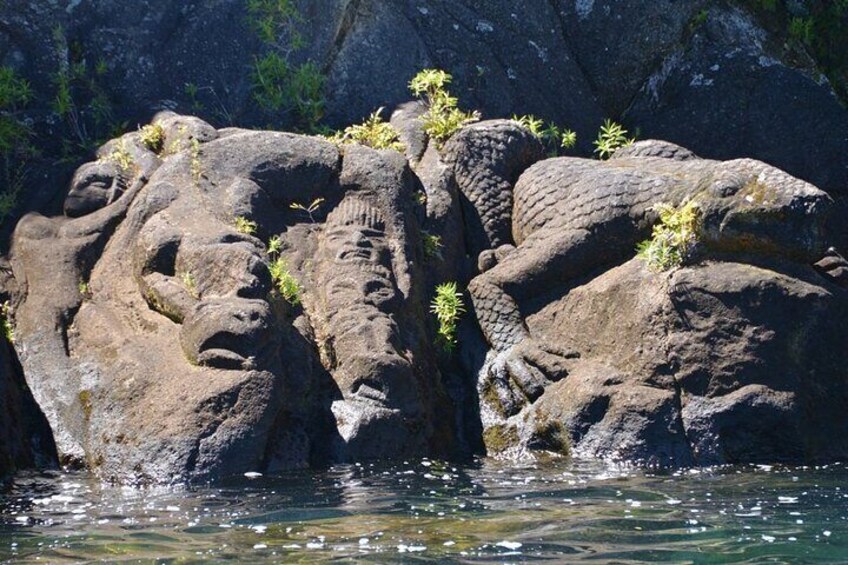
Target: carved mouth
{"type": "Point", "coordinates": [355, 255]}
{"type": "Point", "coordinates": [220, 358]}
{"type": "Point", "coordinates": [228, 333]}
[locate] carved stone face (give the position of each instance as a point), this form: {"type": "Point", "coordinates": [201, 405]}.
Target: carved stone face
{"type": "Point", "coordinates": [360, 294]}
{"type": "Point", "coordinates": [356, 248]}
{"type": "Point", "coordinates": [214, 282]}
{"type": "Point", "coordinates": [94, 186]}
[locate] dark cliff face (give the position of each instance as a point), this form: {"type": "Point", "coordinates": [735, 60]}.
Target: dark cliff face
{"type": "Point", "coordinates": [700, 73]}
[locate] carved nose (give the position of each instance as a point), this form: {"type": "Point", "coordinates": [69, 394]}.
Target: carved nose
{"type": "Point", "coordinates": [360, 240]}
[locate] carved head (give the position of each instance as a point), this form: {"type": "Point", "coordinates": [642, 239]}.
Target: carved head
{"type": "Point", "coordinates": [361, 298]}
{"type": "Point", "coordinates": [356, 249]}
{"type": "Point", "coordinates": [94, 185]}
{"type": "Point", "coordinates": [748, 205]}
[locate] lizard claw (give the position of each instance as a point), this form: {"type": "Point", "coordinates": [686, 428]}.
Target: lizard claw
{"type": "Point", "coordinates": [519, 375]}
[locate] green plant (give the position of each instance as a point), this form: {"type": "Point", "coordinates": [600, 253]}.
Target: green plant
{"type": "Point", "coordinates": [448, 307]}
{"type": "Point", "coordinates": [275, 22]}
{"type": "Point", "coordinates": [309, 210]}
{"type": "Point", "coordinates": [552, 136]}
{"type": "Point", "coordinates": [284, 282]}
{"type": "Point", "coordinates": [801, 29]}
{"type": "Point", "coordinates": [432, 245]}
{"type": "Point", "coordinates": [443, 116]}
{"type": "Point", "coordinates": [373, 132]}
{"type": "Point", "coordinates": [611, 137]}
{"type": "Point", "coordinates": [569, 139]}
{"type": "Point", "coordinates": [674, 238]}
{"type": "Point", "coordinates": [121, 156]}
{"type": "Point", "coordinates": [190, 284]}
{"type": "Point", "coordinates": [275, 245]}
{"type": "Point", "coordinates": [531, 122]}
{"type": "Point", "coordinates": [84, 289]}
{"type": "Point", "coordinates": [81, 100]}
{"type": "Point", "coordinates": [819, 27]}
{"type": "Point", "coordinates": [14, 91]}
{"type": "Point", "coordinates": [278, 85]}
{"type": "Point", "coordinates": [245, 226]}
{"type": "Point", "coordinates": [6, 321]}
{"type": "Point", "coordinates": [190, 89]}
{"type": "Point", "coordinates": [153, 137]}
{"type": "Point", "coordinates": [698, 19]}
{"type": "Point", "coordinates": [15, 147]}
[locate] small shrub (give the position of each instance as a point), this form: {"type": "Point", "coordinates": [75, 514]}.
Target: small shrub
{"type": "Point", "coordinates": [373, 132]}
{"type": "Point", "coordinates": [801, 29]}
{"type": "Point", "coordinates": [285, 283]}
{"type": "Point", "coordinates": [611, 137]}
{"type": "Point", "coordinates": [531, 122]}
{"type": "Point", "coordinates": [191, 90]}
{"type": "Point", "coordinates": [275, 21]}
{"type": "Point", "coordinates": [15, 147]}
{"type": "Point", "coordinates": [553, 137]}
{"type": "Point", "coordinates": [278, 85]}
{"type": "Point", "coordinates": [82, 98]}
{"type": "Point", "coordinates": [569, 139]}
{"type": "Point", "coordinates": [698, 19]}
{"type": "Point", "coordinates": [15, 92]}
{"type": "Point", "coordinates": [190, 284]}
{"type": "Point", "coordinates": [84, 289]}
{"type": "Point", "coordinates": [447, 306]}
{"type": "Point", "coordinates": [432, 245]}
{"type": "Point", "coordinates": [121, 156]}
{"type": "Point", "coordinates": [6, 321]}
{"type": "Point", "coordinates": [307, 95]}
{"type": "Point", "coordinates": [245, 226]}
{"type": "Point", "coordinates": [153, 137]}
{"type": "Point", "coordinates": [674, 238]}
{"type": "Point", "coordinates": [275, 245]}
{"type": "Point", "coordinates": [309, 210]}
{"type": "Point", "coordinates": [443, 116]}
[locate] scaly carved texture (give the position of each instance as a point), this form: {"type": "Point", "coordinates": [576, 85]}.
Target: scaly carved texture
{"type": "Point", "coordinates": [574, 215]}
{"type": "Point", "coordinates": [486, 159]}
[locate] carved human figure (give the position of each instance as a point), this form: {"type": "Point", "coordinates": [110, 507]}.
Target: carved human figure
{"type": "Point", "coordinates": [360, 299]}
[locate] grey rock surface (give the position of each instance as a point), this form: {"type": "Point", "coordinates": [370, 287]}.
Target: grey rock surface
{"type": "Point", "coordinates": [161, 349]}
{"type": "Point", "coordinates": [722, 362]}
{"type": "Point", "coordinates": [166, 338]}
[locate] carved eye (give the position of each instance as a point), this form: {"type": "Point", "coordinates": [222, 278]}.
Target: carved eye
{"type": "Point", "coordinates": [726, 183]}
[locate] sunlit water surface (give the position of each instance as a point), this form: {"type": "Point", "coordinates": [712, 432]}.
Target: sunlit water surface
{"type": "Point", "coordinates": [428, 511]}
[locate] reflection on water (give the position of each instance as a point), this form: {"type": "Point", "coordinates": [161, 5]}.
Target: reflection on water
{"type": "Point", "coordinates": [422, 511]}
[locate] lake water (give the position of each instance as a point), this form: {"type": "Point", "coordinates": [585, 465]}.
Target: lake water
{"type": "Point", "coordinates": [429, 511]}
